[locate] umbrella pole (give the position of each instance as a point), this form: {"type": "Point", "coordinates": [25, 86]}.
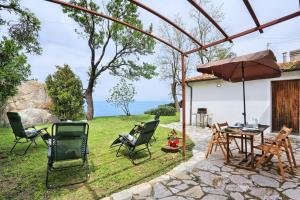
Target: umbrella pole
{"type": "Point", "coordinates": [244, 99]}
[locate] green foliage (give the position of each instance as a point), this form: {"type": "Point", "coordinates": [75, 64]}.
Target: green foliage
{"type": "Point", "coordinates": [65, 89]}
{"type": "Point", "coordinates": [13, 69]}
{"type": "Point", "coordinates": [24, 28]}
{"type": "Point", "coordinates": [122, 95]}
{"type": "Point", "coordinates": [162, 111]}
{"type": "Point", "coordinates": [128, 44]}
{"type": "Point", "coordinates": [168, 104]}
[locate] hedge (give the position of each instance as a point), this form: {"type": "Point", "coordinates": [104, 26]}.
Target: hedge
{"type": "Point", "coordinates": [162, 111]}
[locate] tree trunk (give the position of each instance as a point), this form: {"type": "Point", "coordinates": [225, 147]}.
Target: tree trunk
{"type": "Point", "coordinates": [174, 95]}
{"type": "Point", "coordinates": [90, 104]}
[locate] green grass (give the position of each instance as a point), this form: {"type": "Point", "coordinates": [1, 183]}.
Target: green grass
{"type": "Point", "coordinates": [23, 177]}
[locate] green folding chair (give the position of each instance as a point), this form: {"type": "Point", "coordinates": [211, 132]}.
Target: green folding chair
{"type": "Point", "coordinates": [68, 142]}
{"type": "Point", "coordinates": [142, 138]}
{"type": "Point", "coordinates": [25, 135]}
{"type": "Point", "coordinates": [134, 131]}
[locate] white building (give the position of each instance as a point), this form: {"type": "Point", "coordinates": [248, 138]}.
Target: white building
{"type": "Point", "coordinates": [273, 102]}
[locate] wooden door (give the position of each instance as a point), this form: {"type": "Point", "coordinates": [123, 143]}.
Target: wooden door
{"type": "Point", "coordinates": [285, 104]}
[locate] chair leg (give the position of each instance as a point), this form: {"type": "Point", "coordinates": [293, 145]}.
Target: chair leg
{"type": "Point", "coordinates": [209, 148]}
{"type": "Point", "coordinates": [237, 145]}
{"type": "Point", "coordinates": [117, 154]}
{"type": "Point", "coordinates": [280, 167]}
{"type": "Point", "coordinates": [16, 142]}
{"type": "Point", "coordinates": [291, 152]}
{"type": "Point", "coordinates": [150, 155]}
{"type": "Point", "coordinates": [289, 159]}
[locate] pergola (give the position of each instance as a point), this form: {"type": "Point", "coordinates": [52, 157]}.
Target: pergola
{"type": "Point", "coordinates": [259, 27]}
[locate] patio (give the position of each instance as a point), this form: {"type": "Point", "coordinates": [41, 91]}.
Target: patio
{"type": "Point", "coordinates": [201, 178]}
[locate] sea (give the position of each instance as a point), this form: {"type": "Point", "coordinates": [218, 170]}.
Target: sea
{"type": "Point", "coordinates": [103, 108]}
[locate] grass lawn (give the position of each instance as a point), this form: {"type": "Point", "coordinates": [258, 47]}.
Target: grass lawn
{"type": "Point", "coordinates": [23, 177]}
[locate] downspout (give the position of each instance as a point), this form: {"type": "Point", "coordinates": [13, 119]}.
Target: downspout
{"type": "Point", "coordinates": [191, 101]}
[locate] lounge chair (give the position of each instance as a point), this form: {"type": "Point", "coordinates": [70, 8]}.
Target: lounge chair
{"type": "Point", "coordinates": [143, 137]}
{"type": "Point", "coordinates": [28, 134]}
{"type": "Point", "coordinates": [135, 130]}
{"type": "Point", "coordinates": [68, 142]}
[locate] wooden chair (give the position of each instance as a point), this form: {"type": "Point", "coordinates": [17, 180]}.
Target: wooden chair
{"type": "Point", "coordinates": [217, 139]}
{"type": "Point", "coordinates": [221, 126]}
{"type": "Point", "coordinates": [275, 148]}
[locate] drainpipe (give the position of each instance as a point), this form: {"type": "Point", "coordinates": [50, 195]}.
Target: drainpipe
{"type": "Point", "coordinates": [191, 101]}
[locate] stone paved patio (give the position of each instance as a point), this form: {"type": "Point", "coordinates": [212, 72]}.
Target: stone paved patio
{"type": "Point", "coordinates": [206, 179]}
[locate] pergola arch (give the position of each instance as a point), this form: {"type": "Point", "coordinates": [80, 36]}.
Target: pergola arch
{"type": "Point", "coordinates": [259, 27]}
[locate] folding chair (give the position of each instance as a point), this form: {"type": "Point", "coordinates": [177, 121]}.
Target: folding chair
{"type": "Point", "coordinates": [279, 145]}
{"type": "Point", "coordinates": [142, 138]}
{"type": "Point", "coordinates": [217, 139]}
{"type": "Point", "coordinates": [68, 142]}
{"type": "Point", "coordinates": [221, 126]}
{"type": "Point", "coordinates": [28, 134]}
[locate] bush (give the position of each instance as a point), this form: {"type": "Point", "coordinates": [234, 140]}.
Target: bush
{"type": "Point", "coordinates": [168, 104]}
{"type": "Point", "coordinates": [162, 111]}
{"type": "Point", "coordinates": [65, 90]}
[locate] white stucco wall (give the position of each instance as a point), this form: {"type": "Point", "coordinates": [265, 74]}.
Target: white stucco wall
{"type": "Point", "coordinates": [225, 103]}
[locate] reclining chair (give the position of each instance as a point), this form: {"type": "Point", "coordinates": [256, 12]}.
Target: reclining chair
{"type": "Point", "coordinates": [29, 133]}
{"type": "Point", "coordinates": [143, 137]}
{"type": "Point", "coordinates": [68, 142]}
{"type": "Point", "coordinates": [135, 130]}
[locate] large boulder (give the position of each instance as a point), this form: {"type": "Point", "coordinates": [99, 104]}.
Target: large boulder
{"type": "Point", "coordinates": [32, 102]}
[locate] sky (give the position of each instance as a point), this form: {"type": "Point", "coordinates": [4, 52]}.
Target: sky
{"type": "Point", "coordinates": [61, 45]}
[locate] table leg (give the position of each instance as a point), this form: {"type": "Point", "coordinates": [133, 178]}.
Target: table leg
{"type": "Point", "coordinates": [227, 148]}
{"type": "Point", "coordinates": [246, 150]}
{"type": "Point", "coordinates": [242, 145]}
{"type": "Point", "coordinates": [252, 152]}
{"type": "Point", "coordinates": [262, 141]}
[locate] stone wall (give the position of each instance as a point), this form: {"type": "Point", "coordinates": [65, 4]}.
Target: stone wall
{"type": "Point", "coordinates": [32, 102]}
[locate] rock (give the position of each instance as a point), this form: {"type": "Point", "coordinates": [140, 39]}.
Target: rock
{"type": "Point", "coordinates": [292, 193]}
{"type": "Point", "coordinates": [239, 180]}
{"type": "Point", "coordinates": [194, 192]}
{"type": "Point", "coordinates": [142, 190]}
{"type": "Point", "coordinates": [214, 197]}
{"type": "Point", "coordinates": [182, 187]}
{"type": "Point", "coordinates": [237, 188]}
{"type": "Point", "coordinates": [288, 185]}
{"type": "Point", "coordinates": [32, 102]}
{"type": "Point", "coordinates": [190, 182]}
{"type": "Point", "coordinates": [179, 175]}
{"type": "Point", "coordinates": [174, 182]}
{"type": "Point", "coordinates": [213, 190]}
{"type": "Point", "coordinates": [34, 116]}
{"type": "Point", "coordinates": [207, 166]}
{"type": "Point", "coordinates": [210, 178]}
{"type": "Point", "coordinates": [123, 195]}
{"type": "Point", "coordinates": [163, 179]}
{"type": "Point", "coordinates": [265, 181]}
{"type": "Point", "coordinates": [236, 196]}
{"type": "Point", "coordinates": [265, 193]}
{"type": "Point", "coordinates": [174, 198]}
{"type": "Point", "coordinates": [160, 191]}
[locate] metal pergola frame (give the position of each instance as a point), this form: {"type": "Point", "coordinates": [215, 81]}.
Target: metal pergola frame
{"type": "Point", "coordinates": [259, 27]}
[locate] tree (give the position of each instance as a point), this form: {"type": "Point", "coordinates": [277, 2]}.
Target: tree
{"type": "Point", "coordinates": [101, 34]}
{"type": "Point", "coordinates": [170, 59]}
{"type": "Point", "coordinates": [24, 28]}
{"type": "Point", "coordinates": [122, 95]}
{"type": "Point", "coordinates": [206, 33]}
{"type": "Point", "coordinates": [13, 69]}
{"type": "Point", "coordinates": [65, 90]}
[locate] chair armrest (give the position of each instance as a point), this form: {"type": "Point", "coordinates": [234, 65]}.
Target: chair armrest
{"type": "Point", "coordinates": [29, 127]}
{"type": "Point", "coordinates": [42, 129]}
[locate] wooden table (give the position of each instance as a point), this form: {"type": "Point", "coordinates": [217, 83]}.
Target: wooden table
{"type": "Point", "coordinates": [244, 135]}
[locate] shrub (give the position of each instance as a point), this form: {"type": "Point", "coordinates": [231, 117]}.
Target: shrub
{"type": "Point", "coordinates": [65, 90]}
{"type": "Point", "coordinates": [162, 111]}
{"type": "Point", "coordinates": [168, 104]}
